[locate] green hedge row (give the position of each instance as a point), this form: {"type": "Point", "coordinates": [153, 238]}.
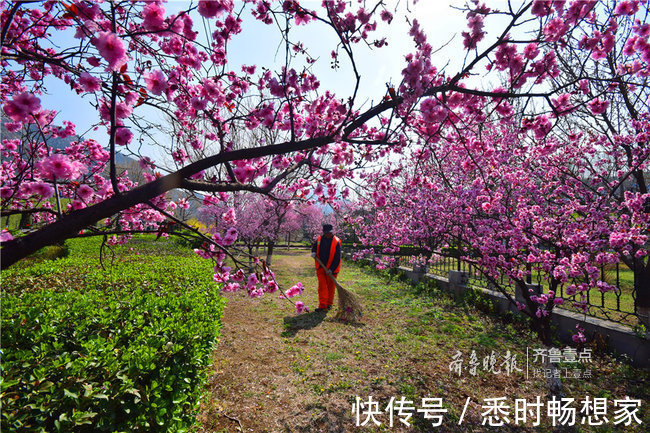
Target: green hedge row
{"type": "Point", "coordinates": [108, 355]}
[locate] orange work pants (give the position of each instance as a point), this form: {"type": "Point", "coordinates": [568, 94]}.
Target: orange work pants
{"type": "Point", "coordinates": [326, 289]}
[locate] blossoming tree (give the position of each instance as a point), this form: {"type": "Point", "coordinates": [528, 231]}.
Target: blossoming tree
{"type": "Point", "coordinates": [257, 219]}
{"type": "Point", "coordinates": [558, 187]}
{"type": "Point", "coordinates": [553, 68]}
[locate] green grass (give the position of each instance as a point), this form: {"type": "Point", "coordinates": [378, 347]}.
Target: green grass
{"type": "Point", "coordinates": [12, 222]}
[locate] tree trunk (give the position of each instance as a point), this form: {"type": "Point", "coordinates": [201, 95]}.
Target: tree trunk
{"type": "Point", "coordinates": [269, 252]}
{"type": "Point", "coordinates": [25, 221]}
{"type": "Point", "coordinates": [250, 258]}
{"type": "Point", "coordinates": [642, 289]}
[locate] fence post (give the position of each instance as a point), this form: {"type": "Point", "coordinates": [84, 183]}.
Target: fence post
{"type": "Point", "coordinates": [536, 288]}
{"type": "Point", "coordinates": [419, 271]}
{"type": "Point", "coordinates": [458, 282]}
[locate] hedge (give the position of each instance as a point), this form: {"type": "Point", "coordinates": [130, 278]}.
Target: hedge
{"type": "Point", "coordinates": [109, 355]}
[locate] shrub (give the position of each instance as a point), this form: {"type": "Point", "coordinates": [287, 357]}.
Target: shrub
{"type": "Point", "coordinates": [128, 352]}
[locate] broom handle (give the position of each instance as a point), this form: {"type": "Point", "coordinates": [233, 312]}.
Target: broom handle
{"type": "Point", "coordinates": [336, 283]}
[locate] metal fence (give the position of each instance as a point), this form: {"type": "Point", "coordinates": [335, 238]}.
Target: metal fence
{"type": "Point", "coordinates": [617, 306]}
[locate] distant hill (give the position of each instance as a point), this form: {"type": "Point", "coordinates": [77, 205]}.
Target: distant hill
{"type": "Point", "coordinates": [61, 143]}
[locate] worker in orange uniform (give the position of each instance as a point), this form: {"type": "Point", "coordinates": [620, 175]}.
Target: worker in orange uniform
{"type": "Point", "coordinates": [328, 248]}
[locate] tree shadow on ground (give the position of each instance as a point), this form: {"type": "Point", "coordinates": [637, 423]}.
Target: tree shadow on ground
{"type": "Point", "coordinates": [293, 324]}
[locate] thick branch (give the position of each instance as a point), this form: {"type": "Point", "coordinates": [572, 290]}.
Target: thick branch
{"type": "Point", "coordinates": [70, 224]}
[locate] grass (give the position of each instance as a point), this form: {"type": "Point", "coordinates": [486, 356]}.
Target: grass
{"type": "Point", "coordinates": [403, 346]}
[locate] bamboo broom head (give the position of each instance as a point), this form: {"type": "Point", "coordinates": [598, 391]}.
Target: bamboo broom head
{"type": "Point", "coordinates": [349, 302]}
{"type": "Point", "coordinates": [350, 309]}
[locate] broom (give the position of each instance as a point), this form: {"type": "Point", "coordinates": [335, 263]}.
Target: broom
{"type": "Point", "coordinates": [349, 302]}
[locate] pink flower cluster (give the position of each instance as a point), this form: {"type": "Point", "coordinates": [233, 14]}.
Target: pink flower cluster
{"type": "Point", "coordinates": [59, 166]}
{"type": "Point", "coordinates": [22, 106]}
{"type": "Point", "coordinates": [293, 291]}
{"type": "Point", "coordinates": [214, 8]}
{"type": "Point", "coordinates": [112, 49]}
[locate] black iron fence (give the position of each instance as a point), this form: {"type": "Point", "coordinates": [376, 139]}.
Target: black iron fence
{"type": "Point", "coordinates": [617, 306]}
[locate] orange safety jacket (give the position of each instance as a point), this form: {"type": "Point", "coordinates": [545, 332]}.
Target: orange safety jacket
{"type": "Point", "coordinates": [335, 241]}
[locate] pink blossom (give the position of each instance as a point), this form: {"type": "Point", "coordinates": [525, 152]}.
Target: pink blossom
{"type": "Point", "coordinates": [627, 7]}
{"type": "Point", "coordinates": [43, 189]}
{"type": "Point", "coordinates": [386, 16]}
{"type": "Point", "coordinates": [556, 29]}
{"type": "Point", "coordinates": [21, 106]}
{"type": "Point", "coordinates": [295, 290]}
{"type": "Point", "coordinates": [123, 136]}
{"type": "Point", "coordinates": [642, 29]}
{"type": "Point", "coordinates": [198, 103]}
{"type": "Point", "coordinates": [220, 276]}
{"type": "Point", "coordinates": [541, 8]}
{"type": "Point", "coordinates": [506, 57]}
{"type": "Point", "coordinates": [183, 203]}
{"type": "Point", "coordinates": [231, 236]}
{"type": "Point", "coordinates": [301, 308]}
{"type": "Point", "coordinates": [238, 276]}
{"type": "Point", "coordinates": [542, 127]}
{"type": "Point", "coordinates": [213, 8]}
{"type": "Point", "coordinates": [252, 281]}
{"type": "Point", "coordinates": [111, 48]}
{"type": "Point", "coordinates": [630, 48]}
{"type": "Point", "coordinates": [85, 192]}
{"type": "Point", "coordinates": [89, 83]}
{"type": "Point", "coordinates": [531, 51]}
{"type": "Point", "coordinates": [153, 16]}
{"type": "Point", "coordinates": [60, 167]}
{"type": "Point", "coordinates": [249, 69]}
{"type": "Point", "coordinates": [271, 287]}
{"type": "Point", "coordinates": [156, 82]}
{"type": "Point", "coordinates": [256, 293]}
{"type": "Point", "coordinates": [579, 337]}
{"type": "Point", "coordinates": [77, 204]}
{"type": "Point", "coordinates": [88, 11]}
{"type": "Point", "coordinates": [230, 287]}
{"type": "Point", "coordinates": [302, 17]}
{"type": "Point", "coordinates": [13, 126]}
{"type": "Point", "coordinates": [598, 106]}
{"type": "Point", "coordinates": [180, 155]}
{"type": "Point", "coordinates": [123, 110]}
{"type": "Point", "coordinates": [145, 163]}
{"type": "Point", "coordinates": [471, 40]}
{"type": "Point", "coordinates": [229, 217]}
{"type": "Point", "coordinates": [432, 111]}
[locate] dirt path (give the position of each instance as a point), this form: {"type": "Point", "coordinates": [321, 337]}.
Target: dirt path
{"type": "Point", "coordinates": [262, 364]}
{"type": "Point", "coordinates": [275, 371]}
